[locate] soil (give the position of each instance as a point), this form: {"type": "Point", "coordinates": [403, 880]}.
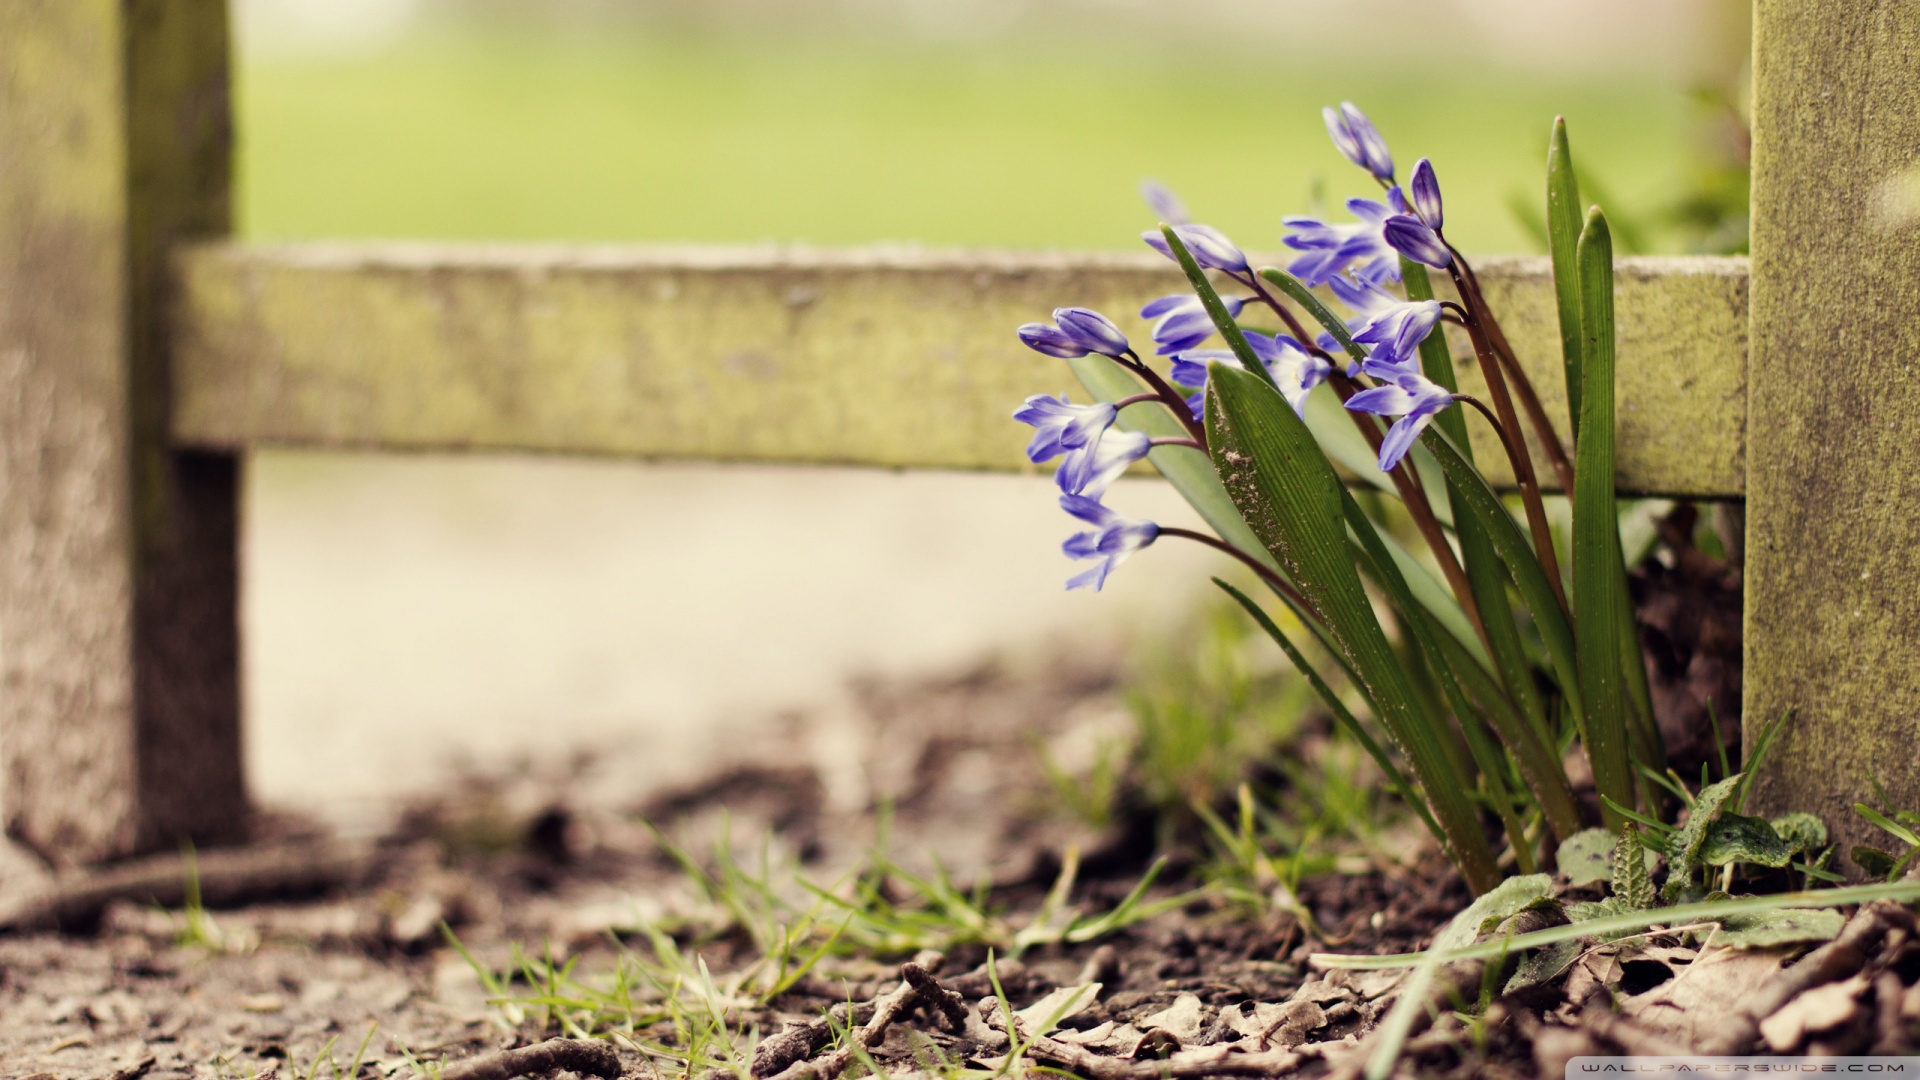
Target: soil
{"type": "Point", "coordinates": [311, 945]}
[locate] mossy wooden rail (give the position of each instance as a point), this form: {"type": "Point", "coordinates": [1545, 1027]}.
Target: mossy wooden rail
{"type": "Point", "coordinates": [142, 356]}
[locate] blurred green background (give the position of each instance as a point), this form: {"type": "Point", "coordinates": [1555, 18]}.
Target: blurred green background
{"type": "Point", "coordinates": [474, 122]}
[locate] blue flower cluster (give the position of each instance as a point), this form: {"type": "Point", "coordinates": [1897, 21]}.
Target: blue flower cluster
{"type": "Point", "coordinates": [1355, 260]}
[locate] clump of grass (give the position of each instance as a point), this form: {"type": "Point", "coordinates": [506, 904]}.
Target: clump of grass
{"type": "Point", "coordinates": [663, 999]}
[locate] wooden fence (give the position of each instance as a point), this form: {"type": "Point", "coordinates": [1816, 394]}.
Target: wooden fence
{"type": "Point", "coordinates": [142, 355]}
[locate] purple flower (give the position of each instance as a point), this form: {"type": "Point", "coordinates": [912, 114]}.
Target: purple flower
{"type": "Point", "coordinates": [1409, 395]}
{"type": "Point", "coordinates": [1049, 339]}
{"type": "Point", "coordinates": [1394, 327]}
{"type": "Point", "coordinates": [1425, 190]}
{"type": "Point", "coordinates": [1208, 246]}
{"type": "Point", "coordinates": [1091, 331]}
{"type": "Point", "coordinates": [1061, 426]}
{"type": "Point", "coordinates": [1090, 467]}
{"type": "Point", "coordinates": [1333, 248]}
{"type": "Point", "coordinates": [1295, 370]}
{"type": "Point", "coordinates": [1166, 205]}
{"type": "Point", "coordinates": [1112, 538]}
{"type": "Point", "coordinates": [1184, 321]}
{"type": "Point", "coordinates": [1358, 140]}
{"type": "Point", "coordinates": [1411, 237]}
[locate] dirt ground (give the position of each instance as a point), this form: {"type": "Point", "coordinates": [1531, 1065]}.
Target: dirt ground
{"type": "Point", "coordinates": [311, 955]}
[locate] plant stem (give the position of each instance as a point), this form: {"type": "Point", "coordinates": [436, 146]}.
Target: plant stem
{"type": "Point", "coordinates": [1166, 393]}
{"type": "Point", "coordinates": [1523, 476]}
{"type": "Point", "coordinates": [1267, 575]}
{"type": "Point", "coordinates": [1522, 385]}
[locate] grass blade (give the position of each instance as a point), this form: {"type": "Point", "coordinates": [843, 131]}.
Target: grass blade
{"type": "Point", "coordinates": [1597, 593]}
{"type": "Point", "coordinates": [1289, 494]}
{"type": "Point", "coordinates": [1563, 239]}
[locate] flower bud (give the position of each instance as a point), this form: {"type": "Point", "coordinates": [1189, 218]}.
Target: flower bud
{"type": "Point", "coordinates": [1091, 331]}
{"type": "Point", "coordinates": [1425, 189]}
{"type": "Point", "coordinates": [1411, 237]}
{"type": "Point", "coordinates": [1043, 338]}
{"type": "Point", "coordinates": [1358, 140]}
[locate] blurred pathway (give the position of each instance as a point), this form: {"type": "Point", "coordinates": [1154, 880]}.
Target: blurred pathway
{"type": "Point", "coordinates": [404, 615]}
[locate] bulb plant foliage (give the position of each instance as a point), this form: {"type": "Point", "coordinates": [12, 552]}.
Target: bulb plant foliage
{"type": "Point", "coordinates": [1484, 657]}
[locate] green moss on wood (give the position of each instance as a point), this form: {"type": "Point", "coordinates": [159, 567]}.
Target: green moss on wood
{"type": "Point", "coordinates": [868, 358]}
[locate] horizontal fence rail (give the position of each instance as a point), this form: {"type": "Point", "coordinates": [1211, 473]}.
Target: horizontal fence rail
{"type": "Point", "coordinates": [879, 357]}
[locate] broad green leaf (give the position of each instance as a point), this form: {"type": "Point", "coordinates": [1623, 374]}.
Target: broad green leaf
{"type": "Point", "coordinates": [1782, 926]}
{"type": "Point", "coordinates": [1683, 853]}
{"type": "Point", "coordinates": [1341, 714]}
{"type": "Point", "coordinates": [1563, 237]}
{"type": "Point", "coordinates": [1289, 494]}
{"type": "Point", "coordinates": [1632, 885]}
{"type": "Point", "coordinates": [1511, 895]}
{"type": "Point", "coordinates": [1611, 907]}
{"type": "Point", "coordinates": [1802, 831]}
{"type": "Point", "coordinates": [1873, 861]}
{"type": "Point", "coordinates": [1597, 609]}
{"type": "Point", "coordinates": [1543, 966]}
{"type": "Point", "coordinates": [1188, 470]}
{"type": "Point", "coordinates": [1736, 838]}
{"type": "Point", "coordinates": [1586, 857]}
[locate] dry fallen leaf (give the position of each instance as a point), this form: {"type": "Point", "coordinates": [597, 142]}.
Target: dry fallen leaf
{"type": "Point", "coordinates": [1822, 1008]}
{"type": "Point", "coordinates": [1698, 1001]}
{"type": "Point", "coordinates": [1183, 1019]}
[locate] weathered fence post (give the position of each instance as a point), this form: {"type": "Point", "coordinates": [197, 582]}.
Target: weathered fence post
{"type": "Point", "coordinates": [119, 690]}
{"type": "Point", "coordinates": [1833, 455]}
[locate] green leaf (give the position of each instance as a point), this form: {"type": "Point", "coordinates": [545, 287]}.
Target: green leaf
{"type": "Point", "coordinates": [1782, 926]}
{"type": "Point", "coordinates": [1632, 885]}
{"type": "Point", "coordinates": [1431, 643]}
{"type": "Point", "coordinates": [1803, 832]}
{"type": "Point", "coordinates": [1298, 292]}
{"type": "Point", "coordinates": [1586, 857]}
{"type": "Point", "coordinates": [1600, 925]}
{"type": "Point", "coordinates": [1738, 838]}
{"type": "Point", "coordinates": [1609, 908]}
{"type": "Point", "coordinates": [1289, 494]}
{"type": "Point", "coordinates": [1683, 854]}
{"type": "Point", "coordinates": [1874, 862]}
{"type": "Point", "coordinates": [1563, 237]}
{"type": "Point", "coordinates": [1543, 966]}
{"type": "Point", "coordinates": [1510, 896]}
{"type": "Point", "coordinates": [1597, 608]}
{"type": "Point", "coordinates": [1761, 748]}
{"type": "Point", "coordinates": [1476, 499]}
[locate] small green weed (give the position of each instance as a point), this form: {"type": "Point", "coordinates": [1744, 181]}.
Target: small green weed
{"type": "Point", "coordinates": [662, 999]}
